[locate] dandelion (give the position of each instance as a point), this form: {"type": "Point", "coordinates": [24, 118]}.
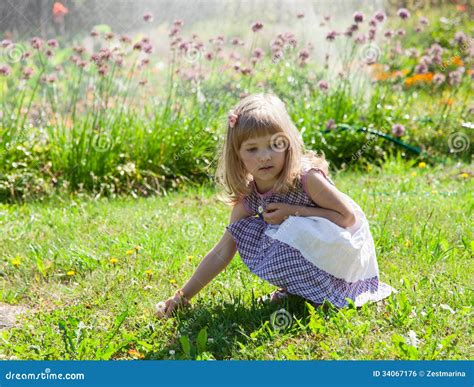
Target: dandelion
{"type": "Point", "coordinates": [422, 164]}
{"type": "Point", "coordinates": [257, 26]}
{"type": "Point", "coordinates": [129, 252]}
{"type": "Point", "coordinates": [148, 17]}
{"type": "Point", "coordinates": [190, 258]}
{"type": "Point", "coordinates": [113, 260]}
{"type": "Point", "coordinates": [149, 273]}
{"type": "Point", "coordinates": [71, 273]}
{"type": "Point", "coordinates": [398, 130]}
{"type": "Point", "coordinates": [403, 13]}
{"type": "Point", "coordinates": [172, 281]}
{"type": "Point", "coordinates": [413, 174]}
{"type": "Point", "coordinates": [16, 262]}
{"type": "Point", "coordinates": [358, 17]}
{"type": "Point", "coordinates": [464, 175]}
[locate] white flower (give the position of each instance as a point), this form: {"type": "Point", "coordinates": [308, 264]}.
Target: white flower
{"type": "Point", "coordinates": [172, 352]}
{"type": "Point", "coordinates": [447, 307]}
{"type": "Point", "coordinates": [412, 339]}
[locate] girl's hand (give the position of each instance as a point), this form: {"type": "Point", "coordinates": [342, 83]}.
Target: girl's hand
{"type": "Point", "coordinates": [164, 309]}
{"type": "Point", "coordinates": [276, 213]}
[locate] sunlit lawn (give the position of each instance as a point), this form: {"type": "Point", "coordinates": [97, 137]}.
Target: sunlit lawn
{"type": "Point", "coordinates": [91, 271]}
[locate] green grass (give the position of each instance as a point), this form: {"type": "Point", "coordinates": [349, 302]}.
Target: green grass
{"type": "Point", "coordinates": [424, 241]}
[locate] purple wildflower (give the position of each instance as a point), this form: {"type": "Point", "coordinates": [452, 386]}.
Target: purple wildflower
{"type": "Point", "coordinates": [398, 130]}
{"type": "Point", "coordinates": [358, 17]}
{"type": "Point", "coordinates": [403, 13]}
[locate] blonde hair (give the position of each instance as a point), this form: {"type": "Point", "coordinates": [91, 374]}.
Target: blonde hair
{"type": "Point", "coordinates": [260, 115]}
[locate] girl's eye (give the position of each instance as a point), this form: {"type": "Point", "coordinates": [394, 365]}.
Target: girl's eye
{"type": "Point", "coordinates": [251, 149]}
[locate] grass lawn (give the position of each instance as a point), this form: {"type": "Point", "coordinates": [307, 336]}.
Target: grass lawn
{"type": "Point", "coordinates": [89, 272]}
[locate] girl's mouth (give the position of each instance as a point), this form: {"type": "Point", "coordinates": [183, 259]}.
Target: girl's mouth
{"type": "Point", "coordinates": [266, 168]}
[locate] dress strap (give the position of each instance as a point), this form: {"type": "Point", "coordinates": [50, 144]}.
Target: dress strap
{"type": "Point", "coordinates": [305, 176]}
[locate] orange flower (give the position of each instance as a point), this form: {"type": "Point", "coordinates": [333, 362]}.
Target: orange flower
{"type": "Point", "coordinates": [457, 61]}
{"type": "Point", "coordinates": [59, 9]}
{"type": "Point", "coordinates": [417, 78]}
{"type": "Point", "coordinates": [134, 353]}
{"type": "Point", "coordinates": [448, 101]}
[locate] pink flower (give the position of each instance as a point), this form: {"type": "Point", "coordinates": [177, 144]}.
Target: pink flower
{"type": "Point", "coordinates": [303, 54]}
{"type": "Point", "coordinates": [358, 17]}
{"type": "Point", "coordinates": [138, 46]}
{"type": "Point", "coordinates": [460, 37]}
{"type": "Point", "coordinates": [148, 17]}
{"type": "Point", "coordinates": [5, 70]}
{"type": "Point", "coordinates": [388, 33]}
{"type": "Point", "coordinates": [109, 36]}
{"type": "Point", "coordinates": [439, 79]}
{"type": "Point", "coordinates": [94, 33]}
{"type": "Point", "coordinates": [380, 16]}
{"type": "Point", "coordinates": [258, 53]}
{"type": "Point", "coordinates": [403, 13]}
{"type": "Point", "coordinates": [36, 43]}
{"type": "Point", "coordinates": [398, 130]}
{"type": "Point", "coordinates": [424, 21]}
{"type": "Point", "coordinates": [6, 43]}
{"type": "Point", "coordinates": [330, 124]}
{"type": "Point", "coordinates": [27, 72]}
{"type": "Point", "coordinates": [208, 55]}
{"type": "Point", "coordinates": [53, 43]}
{"type": "Point", "coordinates": [257, 26]}
{"type": "Point", "coordinates": [232, 119]}
{"type": "Point", "coordinates": [52, 78]}
{"type": "Point", "coordinates": [323, 85]}
{"type": "Point", "coordinates": [178, 23]}
{"type": "Point", "coordinates": [125, 39]}
{"type": "Point", "coordinates": [148, 48]}
{"type": "Point", "coordinates": [331, 35]}
{"type": "Point", "coordinates": [300, 15]}
{"type": "Point", "coordinates": [236, 42]}
{"type": "Point", "coordinates": [454, 77]}
{"type": "Point", "coordinates": [103, 70]}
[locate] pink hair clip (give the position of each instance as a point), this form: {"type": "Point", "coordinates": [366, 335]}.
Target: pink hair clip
{"type": "Point", "coordinates": [232, 119]}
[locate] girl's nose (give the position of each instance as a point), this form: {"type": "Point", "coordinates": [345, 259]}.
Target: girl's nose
{"type": "Point", "coordinates": [265, 155]}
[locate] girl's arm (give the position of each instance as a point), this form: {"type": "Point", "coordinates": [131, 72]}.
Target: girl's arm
{"type": "Point", "coordinates": [213, 263]}
{"type": "Point", "coordinates": [334, 206]}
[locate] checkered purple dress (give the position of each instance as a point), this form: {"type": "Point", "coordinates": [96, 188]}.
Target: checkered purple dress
{"type": "Point", "coordinates": [283, 265]}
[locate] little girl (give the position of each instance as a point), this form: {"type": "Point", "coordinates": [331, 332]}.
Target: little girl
{"type": "Point", "coordinates": [290, 224]}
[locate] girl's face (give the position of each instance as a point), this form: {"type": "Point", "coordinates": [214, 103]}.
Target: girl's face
{"type": "Point", "coordinates": [263, 158]}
